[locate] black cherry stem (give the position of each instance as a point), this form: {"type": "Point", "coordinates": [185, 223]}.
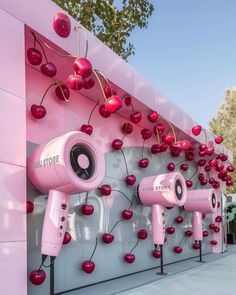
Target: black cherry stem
{"type": "Point", "coordinates": [181, 240]}
{"type": "Point", "coordinates": [114, 190]}
{"type": "Point", "coordinates": [126, 166]}
{"type": "Point", "coordinates": [115, 225]}
{"type": "Point", "coordinates": [134, 246]}
{"type": "Point", "coordinates": [90, 116]}
{"type": "Point", "coordinates": [53, 84]}
{"type": "Point", "coordinates": [96, 244]}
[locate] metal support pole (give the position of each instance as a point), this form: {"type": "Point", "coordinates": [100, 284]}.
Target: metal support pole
{"type": "Point", "coordinates": [162, 273]}
{"type": "Point", "coordinates": [52, 261]}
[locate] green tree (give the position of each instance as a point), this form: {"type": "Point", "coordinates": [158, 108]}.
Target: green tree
{"type": "Point", "coordinates": [224, 124]}
{"type": "Point", "coordinates": [112, 25]}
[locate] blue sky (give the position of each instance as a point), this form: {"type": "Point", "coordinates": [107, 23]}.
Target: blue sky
{"type": "Point", "coordinates": [189, 53]}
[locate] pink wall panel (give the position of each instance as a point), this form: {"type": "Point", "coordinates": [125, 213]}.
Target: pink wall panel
{"type": "Point", "coordinates": [13, 134]}
{"type": "Point", "coordinates": [12, 203]}
{"type": "Point", "coordinates": [12, 70]}
{"type": "Point", "coordinates": [13, 268]}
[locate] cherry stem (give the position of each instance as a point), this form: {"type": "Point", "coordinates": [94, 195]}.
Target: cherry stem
{"type": "Point", "coordinates": [158, 137]}
{"type": "Point", "coordinates": [206, 139]}
{"type": "Point", "coordinates": [132, 106]}
{"type": "Point", "coordinates": [53, 84]}
{"type": "Point", "coordinates": [182, 240]}
{"type": "Point", "coordinates": [196, 184]}
{"type": "Point", "coordinates": [106, 80]}
{"type": "Point", "coordinates": [123, 137]}
{"type": "Point", "coordinates": [143, 148]}
{"type": "Point", "coordinates": [100, 83]}
{"type": "Point", "coordinates": [77, 28]}
{"type": "Point", "coordinates": [50, 48]}
{"type": "Point", "coordinates": [40, 267]}
{"type": "Point", "coordinates": [134, 247]}
{"type": "Point", "coordinates": [90, 116]}
{"type": "Point", "coordinates": [86, 198]}
{"type": "Point", "coordinates": [62, 92]}
{"type": "Point", "coordinates": [115, 225]}
{"type": "Point", "coordinates": [171, 126]}
{"type": "Point", "coordinates": [114, 190]}
{"type": "Point", "coordinates": [194, 173]}
{"type": "Point", "coordinates": [126, 166]}
{"type": "Point", "coordinates": [156, 247]}
{"type": "Point", "coordinates": [39, 42]}
{"type": "Point", "coordinates": [132, 201]}
{"type": "Point", "coordinates": [96, 243]}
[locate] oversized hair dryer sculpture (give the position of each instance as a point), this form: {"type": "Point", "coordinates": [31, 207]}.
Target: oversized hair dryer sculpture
{"type": "Point", "coordinates": [69, 164]}
{"type": "Point", "coordinates": [198, 202]}
{"type": "Point", "coordinates": [161, 191]}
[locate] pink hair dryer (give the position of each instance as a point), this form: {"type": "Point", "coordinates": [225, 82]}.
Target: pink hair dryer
{"type": "Point", "coordinates": [198, 202]}
{"type": "Point", "coordinates": [161, 191]}
{"type": "Point", "coordinates": [68, 164]}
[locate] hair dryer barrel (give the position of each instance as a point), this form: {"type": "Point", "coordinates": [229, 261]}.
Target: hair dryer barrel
{"type": "Point", "coordinates": [203, 200]}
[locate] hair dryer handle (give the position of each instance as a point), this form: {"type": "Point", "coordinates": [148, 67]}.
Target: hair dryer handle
{"type": "Point", "coordinates": [55, 221]}
{"type": "Point", "coordinates": [197, 226]}
{"type": "Point", "coordinates": [158, 224]}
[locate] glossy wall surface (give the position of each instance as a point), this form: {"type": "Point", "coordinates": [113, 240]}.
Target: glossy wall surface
{"type": "Point", "coordinates": [12, 157]}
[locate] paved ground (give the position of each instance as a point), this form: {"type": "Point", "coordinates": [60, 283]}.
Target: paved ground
{"type": "Point", "coordinates": [217, 276]}
{"type": "Point", "coordinates": [211, 278]}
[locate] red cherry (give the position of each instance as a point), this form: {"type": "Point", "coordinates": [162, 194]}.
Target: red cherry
{"type": "Point", "coordinates": [201, 176]}
{"type": "Point", "coordinates": [37, 277]}
{"type": "Point", "coordinates": [229, 182]}
{"type": "Point", "coordinates": [219, 139]}
{"type": "Point", "coordinates": [201, 162]}
{"type": "Point", "coordinates": [152, 116]}
{"type": "Point", "coordinates": [207, 168]}
{"type": "Point", "coordinates": [128, 101]}
{"type": "Point", "coordinates": [88, 266]}
{"type": "Point", "coordinates": [216, 229]}
{"type": "Point", "coordinates": [142, 234]}
{"type": "Point", "coordinates": [38, 111]}
{"type": "Point", "coordinates": [136, 117]}
{"type": "Point", "coordinates": [189, 156]}
{"type": "Point", "coordinates": [107, 238]}
{"type": "Point", "coordinates": [218, 219]}
{"type": "Point", "coordinates": [129, 258]}
{"type": "Point", "coordinates": [202, 147]}
{"type": "Point", "coordinates": [213, 242]}
{"type": "Point", "coordinates": [127, 214]}
{"type": "Point", "coordinates": [59, 94]}
{"type": "Point", "coordinates": [117, 144]}
{"type": "Point", "coordinates": [155, 149]}
{"type": "Point", "coordinates": [130, 180]}
{"type": "Point", "coordinates": [210, 151]}
{"type": "Point", "coordinates": [178, 249]}
{"type": "Point", "coordinates": [156, 253]}
{"type": "Point", "coordinates": [34, 56]}
{"type": "Point", "coordinates": [113, 103]}
{"type": "Point", "coordinates": [163, 147]}
{"type": "Point", "coordinates": [179, 219]}
{"type": "Point", "coordinates": [185, 144]}
{"type": "Point", "coordinates": [49, 69]}
{"type": "Point", "coordinates": [146, 133]}
{"type": "Point", "coordinates": [89, 83]}
{"type": "Point", "coordinates": [216, 184]}
{"type": "Point", "coordinates": [104, 112]}
{"type": "Point", "coordinates": [171, 166]}
{"type": "Point", "coordinates": [203, 216]}
{"type": "Point", "coordinates": [87, 209]}
{"type": "Point", "coordinates": [169, 138]}
{"type": "Point", "coordinates": [175, 151]}
{"type": "Point", "coordinates": [160, 128]}
{"type": "Point", "coordinates": [196, 130]}
{"type": "Point", "coordinates": [143, 163]}
{"type": "Point", "coordinates": [170, 230]}
{"type": "Point", "coordinates": [230, 168]}
{"type": "Point", "coordinates": [219, 167]}
{"type": "Point", "coordinates": [67, 238]}
{"type": "Point", "coordinates": [61, 24]}
{"type": "Point", "coordinates": [211, 226]}
{"type": "Point", "coordinates": [205, 233]}
{"type": "Point", "coordinates": [83, 67]}
{"type": "Point", "coordinates": [184, 167]}
{"type": "Point", "coordinates": [196, 246]}
{"type": "Point", "coordinates": [75, 82]}
{"type": "Point", "coordinates": [127, 128]}
{"type": "Point", "coordinates": [203, 181]}
{"type": "Point", "coordinates": [30, 207]}
{"type": "Point", "coordinates": [211, 180]}
{"type": "Point", "coordinates": [202, 153]}
{"type": "Point", "coordinates": [189, 183]}
{"type": "Point", "coordinates": [188, 233]}
{"type": "Point", "coordinates": [105, 189]}
{"type": "Point", "coordinates": [213, 162]}
{"type": "Point", "coordinates": [86, 128]}
{"type": "Point", "coordinates": [110, 90]}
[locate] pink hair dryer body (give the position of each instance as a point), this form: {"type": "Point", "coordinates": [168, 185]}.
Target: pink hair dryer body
{"type": "Point", "coordinates": [159, 192]}
{"type": "Point", "coordinates": [198, 202]}
{"type": "Point", "coordinates": [68, 164]}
